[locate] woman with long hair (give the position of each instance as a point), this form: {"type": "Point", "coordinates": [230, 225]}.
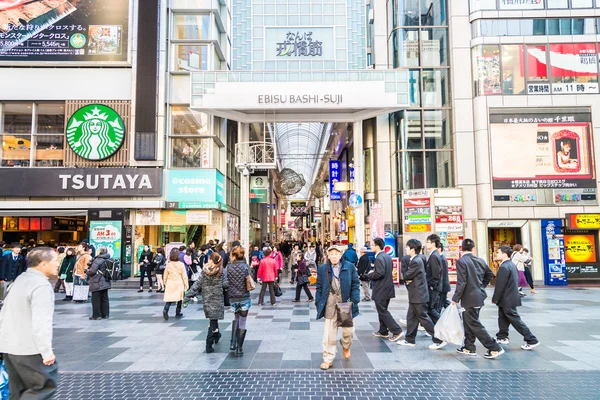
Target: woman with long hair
{"type": "Point", "coordinates": [302, 279]}
{"type": "Point", "coordinates": [66, 271]}
{"type": "Point", "coordinates": [176, 283]}
{"type": "Point", "coordinates": [211, 284]}
{"type": "Point", "coordinates": [239, 296]}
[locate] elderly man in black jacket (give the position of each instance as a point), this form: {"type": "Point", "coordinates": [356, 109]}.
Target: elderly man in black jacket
{"type": "Point", "coordinates": [472, 277]}
{"type": "Point", "coordinates": [418, 297]}
{"type": "Point", "coordinates": [507, 298]}
{"type": "Point", "coordinates": [433, 273]}
{"type": "Point", "coordinates": [383, 291]}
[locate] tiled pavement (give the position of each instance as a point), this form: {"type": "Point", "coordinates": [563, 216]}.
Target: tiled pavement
{"type": "Point", "coordinates": [137, 354]}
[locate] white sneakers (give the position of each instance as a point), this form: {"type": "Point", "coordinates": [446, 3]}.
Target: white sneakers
{"type": "Point", "coordinates": [528, 346]}
{"type": "Point", "coordinates": [437, 346]}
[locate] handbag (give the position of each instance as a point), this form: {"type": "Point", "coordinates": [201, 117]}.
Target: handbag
{"type": "Point", "coordinates": [81, 292]}
{"type": "Point", "coordinates": [344, 315]}
{"type": "Point", "coordinates": [277, 289]}
{"type": "Point", "coordinates": [63, 276]}
{"type": "Point", "coordinates": [250, 285]}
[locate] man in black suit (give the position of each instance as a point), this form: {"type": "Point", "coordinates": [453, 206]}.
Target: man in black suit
{"type": "Point", "coordinates": [383, 291]}
{"type": "Point", "coordinates": [443, 303]}
{"type": "Point", "coordinates": [418, 297]}
{"type": "Point", "coordinates": [433, 273]}
{"type": "Point", "coordinates": [472, 276]}
{"type": "Point", "coordinates": [507, 298]}
{"type": "Point", "coordinates": [11, 266]}
{"type": "Point", "coordinates": [363, 268]}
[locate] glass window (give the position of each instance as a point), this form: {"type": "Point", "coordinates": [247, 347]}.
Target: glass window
{"type": "Point", "coordinates": [435, 87]}
{"type": "Point", "coordinates": [49, 150]}
{"type": "Point", "coordinates": [190, 152]}
{"type": "Point", "coordinates": [191, 58]}
{"type": "Point", "coordinates": [188, 122]}
{"type": "Point", "coordinates": [191, 27]}
{"type": "Point", "coordinates": [406, 12]}
{"type": "Point", "coordinates": [436, 128]}
{"type": "Point", "coordinates": [50, 118]}
{"type": "Point", "coordinates": [574, 68]}
{"type": "Point", "coordinates": [581, 3]}
{"type": "Point", "coordinates": [537, 63]}
{"type": "Point", "coordinates": [557, 4]}
{"type": "Point", "coordinates": [16, 135]}
{"type": "Point", "coordinates": [513, 80]}
{"type": "Point", "coordinates": [414, 88]}
{"type": "Point", "coordinates": [486, 70]}
{"type": "Point", "coordinates": [438, 165]}
{"type": "Point", "coordinates": [434, 51]}
{"type": "Point", "coordinates": [408, 129]}
{"type": "Point", "coordinates": [405, 44]}
{"type": "Point", "coordinates": [412, 171]}
{"type": "Point", "coordinates": [553, 26]}
{"type": "Point", "coordinates": [433, 12]}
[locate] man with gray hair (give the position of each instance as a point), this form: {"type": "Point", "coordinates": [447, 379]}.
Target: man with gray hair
{"type": "Point", "coordinates": [99, 281]}
{"type": "Point", "coordinates": [26, 329]}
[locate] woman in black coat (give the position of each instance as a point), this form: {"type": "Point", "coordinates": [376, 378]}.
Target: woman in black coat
{"type": "Point", "coordinates": [146, 267]}
{"type": "Point", "coordinates": [66, 270]}
{"type": "Point", "coordinates": [99, 284]}
{"type": "Point", "coordinates": [302, 279]}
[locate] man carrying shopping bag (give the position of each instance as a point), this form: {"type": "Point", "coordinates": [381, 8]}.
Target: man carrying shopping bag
{"type": "Point", "coordinates": [26, 329]}
{"type": "Point", "coordinates": [449, 327]}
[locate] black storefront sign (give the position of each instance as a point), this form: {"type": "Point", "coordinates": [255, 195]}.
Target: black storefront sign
{"type": "Point", "coordinates": [80, 182]}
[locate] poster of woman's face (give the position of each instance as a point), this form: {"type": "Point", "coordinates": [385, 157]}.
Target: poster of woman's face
{"type": "Point", "coordinates": [566, 145]}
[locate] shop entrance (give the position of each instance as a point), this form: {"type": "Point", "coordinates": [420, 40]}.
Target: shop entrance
{"type": "Point", "coordinates": [44, 227]}
{"type": "Point", "coordinates": [498, 237]}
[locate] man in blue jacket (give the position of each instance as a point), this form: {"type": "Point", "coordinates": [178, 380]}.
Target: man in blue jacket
{"type": "Point", "coordinates": [337, 282]}
{"type": "Point", "coordinates": [350, 255]}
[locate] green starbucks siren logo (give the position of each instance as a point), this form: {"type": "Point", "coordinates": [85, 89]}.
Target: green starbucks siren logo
{"type": "Point", "coordinates": [95, 132]}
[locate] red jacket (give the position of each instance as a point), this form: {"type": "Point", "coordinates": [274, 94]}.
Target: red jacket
{"type": "Point", "coordinates": [267, 270]}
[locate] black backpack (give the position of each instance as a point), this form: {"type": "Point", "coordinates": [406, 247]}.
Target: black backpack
{"type": "Point", "coordinates": [109, 266]}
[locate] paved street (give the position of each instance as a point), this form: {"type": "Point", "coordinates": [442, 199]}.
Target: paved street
{"type": "Point", "coordinates": [108, 355]}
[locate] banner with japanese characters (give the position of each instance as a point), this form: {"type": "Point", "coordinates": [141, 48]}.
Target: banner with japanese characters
{"type": "Point", "coordinates": [64, 30]}
{"type": "Point", "coordinates": [542, 149]}
{"type": "Point", "coordinates": [521, 4]}
{"type": "Point", "coordinates": [574, 68]}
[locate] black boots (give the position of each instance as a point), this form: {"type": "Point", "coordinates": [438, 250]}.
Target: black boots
{"type": "Point", "coordinates": [212, 338]}
{"type": "Point", "coordinates": [239, 351]}
{"type": "Point", "coordinates": [217, 336]}
{"type": "Point", "coordinates": [234, 333]}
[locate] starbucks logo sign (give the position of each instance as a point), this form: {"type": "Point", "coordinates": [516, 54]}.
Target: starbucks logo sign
{"type": "Point", "coordinates": [95, 132]}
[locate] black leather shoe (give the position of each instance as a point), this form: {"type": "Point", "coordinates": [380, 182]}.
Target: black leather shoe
{"type": "Point", "coordinates": [165, 315]}
{"type": "Point", "coordinates": [178, 315]}
{"type": "Point", "coordinates": [95, 318]}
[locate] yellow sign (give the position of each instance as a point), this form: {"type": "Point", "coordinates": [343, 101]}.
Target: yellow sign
{"type": "Point", "coordinates": [580, 248]}
{"type": "Point", "coordinates": [350, 217]}
{"type": "Point", "coordinates": [172, 217]}
{"type": "Point", "coordinates": [584, 221]}
{"type": "Point", "coordinates": [418, 227]}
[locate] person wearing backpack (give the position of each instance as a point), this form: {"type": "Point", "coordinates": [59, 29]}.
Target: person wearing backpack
{"type": "Point", "coordinates": [99, 281]}
{"type": "Point", "coordinates": [160, 262]}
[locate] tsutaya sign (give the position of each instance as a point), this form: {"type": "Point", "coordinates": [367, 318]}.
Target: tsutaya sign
{"type": "Point", "coordinates": [80, 182]}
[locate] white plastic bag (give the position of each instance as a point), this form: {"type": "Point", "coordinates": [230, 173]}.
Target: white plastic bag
{"type": "Point", "coordinates": [449, 327]}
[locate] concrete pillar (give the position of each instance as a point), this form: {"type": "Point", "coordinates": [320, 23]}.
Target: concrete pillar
{"type": "Point", "coordinates": [359, 184]}
{"type": "Point", "coordinates": [384, 162]}
{"type": "Point", "coordinates": [380, 50]}
{"type": "Point", "coordinates": [244, 136]}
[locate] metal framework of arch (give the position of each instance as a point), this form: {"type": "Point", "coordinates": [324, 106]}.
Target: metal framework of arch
{"type": "Point", "coordinates": [300, 147]}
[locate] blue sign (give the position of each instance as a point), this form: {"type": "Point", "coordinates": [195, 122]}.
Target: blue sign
{"type": "Point", "coordinates": [352, 178]}
{"type": "Point", "coordinates": [390, 244]}
{"type": "Point", "coordinates": [355, 200]}
{"type": "Point", "coordinates": [553, 246]}
{"type": "Point", "coordinates": [204, 185]}
{"type": "Point", "coordinates": [335, 169]}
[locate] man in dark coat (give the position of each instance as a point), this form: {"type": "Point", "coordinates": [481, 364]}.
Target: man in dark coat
{"type": "Point", "coordinates": [433, 274]}
{"type": "Point", "coordinates": [99, 284]}
{"type": "Point", "coordinates": [418, 297]}
{"type": "Point", "coordinates": [507, 298]}
{"type": "Point", "coordinates": [364, 266]}
{"type": "Point", "coordinates": [12, 265]}
{"type": "Point", "coordinates": [472, 277]}
{"type": "Point", "coordinates": [337, 282]}
{"type": "Point", "coordinates": [444, 302]}
{"type": "Point", "coordinates": [383, 291]}
{"type": "Point", "coordinates": [350, 255]}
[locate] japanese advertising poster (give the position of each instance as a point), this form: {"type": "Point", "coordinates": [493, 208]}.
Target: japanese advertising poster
{"type": "Point", "coordinates": [542, 150]}
{"type": "Point", "coordinates": [107, 234]}
{"type": "Point", "coordinates": [64, 30]}
{"type": "Point", "coordinates": [417, 208]}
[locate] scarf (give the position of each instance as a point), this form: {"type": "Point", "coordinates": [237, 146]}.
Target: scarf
{"type": "Point", "coordinates": [211, 269]}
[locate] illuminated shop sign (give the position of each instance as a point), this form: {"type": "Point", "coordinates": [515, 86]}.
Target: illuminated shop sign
{"type": "Point", "coordinates": [583, 221]}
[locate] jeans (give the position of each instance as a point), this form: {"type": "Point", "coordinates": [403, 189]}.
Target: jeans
{"type": "Point", "coordinates": [474, 329]}
{"type": "Point", "coordinates": [29, 378]}
{"type": "Point", "coordinates": [386, 320]}
{"type": "Point", "coordinates": [145, 271]}
{"type": "Point", "coordinates": [100, 304]}
{"type": "Point", "coordinates": [306, 290]}
{"type": "Point", "coordinates": [417, 314]}
{"type": "Point", "coordinates": [177, 310]}
{"type": "Point", "coordinates": [261, 296]}
{"type": "Point", "coordinates": [508, 317]}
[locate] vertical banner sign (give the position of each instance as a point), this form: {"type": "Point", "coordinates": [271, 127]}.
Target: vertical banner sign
{"type": "Point", "coordinates": [351, 169]}
{"type": "Point", "coordinates": [376, 221]}
{"type": "Point", "coordinates": [555, 272]}
{"type": "Point", "coordinates": [417, 211]}
{"type": "Point", "coordinates": [334, 176]}
{"type": "Point", "coordinates": [107, 234]}
{"type": "Point", "coordinates": [259, 189]}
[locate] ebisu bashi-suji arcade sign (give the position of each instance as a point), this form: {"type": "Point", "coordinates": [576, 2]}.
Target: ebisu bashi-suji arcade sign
{"type": "Point", "coordinates": [95, 132]}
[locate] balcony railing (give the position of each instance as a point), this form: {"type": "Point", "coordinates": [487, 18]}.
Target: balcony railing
{"type": "Point", "coordinates": [255, 155]}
